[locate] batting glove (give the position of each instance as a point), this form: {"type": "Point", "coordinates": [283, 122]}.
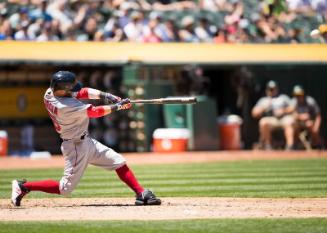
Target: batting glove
{"type": "Point", "coordinates": [111, 98]}
{"type": "Point", "coordinates": [124, 104]}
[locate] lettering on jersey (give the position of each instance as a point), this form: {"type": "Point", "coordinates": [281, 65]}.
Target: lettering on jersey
{"type": "Point", "coordinates": [53, 112]}
{"type": "Point", "coordinates": [51, 108]}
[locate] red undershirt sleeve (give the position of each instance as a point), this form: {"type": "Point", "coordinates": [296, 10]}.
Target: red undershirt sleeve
{"type": "Point", "coordinates": [83, 93]}
{"type": "Point", "coordinates": [95, 111]}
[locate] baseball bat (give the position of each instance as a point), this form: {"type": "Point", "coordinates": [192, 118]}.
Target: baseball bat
{"type": "Point", "coordinates": [167, 100]}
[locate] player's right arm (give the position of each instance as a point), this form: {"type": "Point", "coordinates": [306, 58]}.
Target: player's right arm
{"type": "Point", "coordinates": [257, 112]}
{"type": "Point", "coordinates": [91, 93]}
{"type": "Point", "coordinates": [263, 105]}
{"type": "Point", "coordinates": [292, 106]}
{"type": "Point", "coordinates": [99, 111]}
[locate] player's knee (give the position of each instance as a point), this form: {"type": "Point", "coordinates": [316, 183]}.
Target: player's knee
{"type": "Point", "coordinates": [117, 160]}
{"type": "Point", "coordinates": [119, 165]}
{"type": "Point", "coordinates": [264, 122]}
{"type": "Point", "coordinates": [288, 121]}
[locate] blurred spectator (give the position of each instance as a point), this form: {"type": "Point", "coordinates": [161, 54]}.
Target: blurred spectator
{"type": "Point", "coordinates": [134, 28]}
{"type": "Point", "coordinates": [3, 15]}
{"type": "Point", "coordinates": [6, 31]}
{"type": "Point", "coordinates": [215, 5]}
{"type": "Point", "coordinates": [89, 31]}
{"type": "Point", "coordinates": [60, 10]}
{"type": "Point", "coordinates": [22, 33]}
{"type": "Point", "coordinates": [16, 19]}
{"type": "Point", "coordinates": [155, 18]}
{"type": "Point", "coordinates": [40, 12]}
{"type": "Point", "coordinates": [320, 33]}
{"type": "Point", "coordinates": [99, 36]}
{"type": "Point", "coordinates": [35, 28]}
{"type": "Point", "coordinates": [319, 6]}
{"type": "Point", "coordinates": [70, 35]}
{"type": "Point", "coordinates": [169, 31]}
{"type": "Point", "coordinates": [123, 14]}
{"type": "Point", "coordinates": [113, 21]}
{"type": "Point", "coordinates": [199, 83]}
{"type": "Point", "coordinates": [299, 5]}
{"type": "Point", "coordinates": [204, 31]}
{"type": "Point", "coordinates": [115, 33]}
{"type": "Point", "coordinates": [56, 30]}
{"type": "Point", "coordinates": [187, 33]}
{"type": "Point", "coordinates": [169, 5]}
{"type": "Point", "coordinates": [306, 114]}
{"type": "Point", "coordinates": [47, 34]}
{"type": "Point", "coordinates": [221, 36]}
{"type": "Point", "coordinates": [272, 110]}
{"type": "Point", "coordinates": [308, 7]}
{"type": "Point", "coordinates": [171, 21]}
{"type": "Point", "coordinates": [151, 35]}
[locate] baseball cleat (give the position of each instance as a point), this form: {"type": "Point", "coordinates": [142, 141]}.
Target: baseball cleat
{"type": "Point", "coordinates": [18, 191]}
{"type": "Point", "coordinates": [147, 197]}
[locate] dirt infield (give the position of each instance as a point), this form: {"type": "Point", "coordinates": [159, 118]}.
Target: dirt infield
{"type": "Point", "coordinates": [164, 158]}
{"type": "Point", "coordinates": [172, 208]}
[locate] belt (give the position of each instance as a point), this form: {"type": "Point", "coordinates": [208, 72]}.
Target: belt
{"type": "Point", "coordinates": [80, 138]}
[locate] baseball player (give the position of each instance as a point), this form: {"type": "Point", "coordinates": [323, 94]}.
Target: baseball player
{"type": "Point", "coordinates": [307, 114]}
{"type": "Point", "coordinates": [272, 110]}
{"type": "Point", "coordinates": [70, 117]}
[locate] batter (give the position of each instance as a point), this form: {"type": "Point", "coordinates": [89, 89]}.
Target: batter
{"type": "Point", "coordinates": [70, 117]}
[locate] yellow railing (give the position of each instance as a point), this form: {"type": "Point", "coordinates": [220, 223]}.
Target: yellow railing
{"type": "Point", "coordinates": [174, 53]}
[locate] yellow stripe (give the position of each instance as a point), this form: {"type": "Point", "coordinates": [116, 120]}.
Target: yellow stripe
{"type": "Point", "coordinates": [161, 53]}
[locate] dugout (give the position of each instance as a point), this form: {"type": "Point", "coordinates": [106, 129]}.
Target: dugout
{"type": "Point", "coordinates": [229, 79]}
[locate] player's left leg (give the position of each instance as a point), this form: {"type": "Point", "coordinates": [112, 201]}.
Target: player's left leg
{"type": "Point", "coordinates": [76, 160]}
{"type": "Point", "coordinates": [287, 123]}
{"type": "Point", "coordinates": [21, 187]}
{"type": "Point", "coordinates": [109, 159]}
{"type": "Point", "coordinates": [266, 125]}
{"type": "Point", "coordinates": [314, 134]}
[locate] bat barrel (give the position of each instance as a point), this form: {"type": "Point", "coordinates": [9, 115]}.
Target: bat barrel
{"type": "Point", "coordinates": [168, 100]}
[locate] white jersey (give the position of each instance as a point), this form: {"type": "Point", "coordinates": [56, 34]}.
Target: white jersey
{"type": "Point", "coordinates": [69, 115]}
{"type": "Point", "coordinates": [271, 105]}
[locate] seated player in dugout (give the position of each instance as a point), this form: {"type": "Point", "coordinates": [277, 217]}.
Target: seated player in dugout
{"type": "Point", "coordinates": [306, 114]}
{"type": "Point", "coordinates": [272, 112]}
{"type": "Point", "coordinates": [70, 117]}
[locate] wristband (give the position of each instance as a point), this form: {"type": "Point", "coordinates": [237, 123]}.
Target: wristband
{"type": "Point", "coordinates": [114, 108]}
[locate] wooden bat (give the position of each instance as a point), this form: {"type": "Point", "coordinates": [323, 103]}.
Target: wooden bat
{"type": "Point", "coordinates": [167, 100]}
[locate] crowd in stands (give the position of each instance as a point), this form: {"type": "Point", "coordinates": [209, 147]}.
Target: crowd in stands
{"type": "Point", "coordinates": [215, 21]}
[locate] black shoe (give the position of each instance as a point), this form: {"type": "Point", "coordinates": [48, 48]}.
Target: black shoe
{"type": "Point", "coordinates": [147, 198]}
{"type": "Point", "coordinates": [18, 191]}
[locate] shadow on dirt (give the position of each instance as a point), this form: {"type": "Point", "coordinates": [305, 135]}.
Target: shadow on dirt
{"type": "Point", "coordinates": [104, 205]}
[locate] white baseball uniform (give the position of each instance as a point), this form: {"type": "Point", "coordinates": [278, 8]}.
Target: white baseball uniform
{"type": "Point", "coordinates": [69, 116]}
